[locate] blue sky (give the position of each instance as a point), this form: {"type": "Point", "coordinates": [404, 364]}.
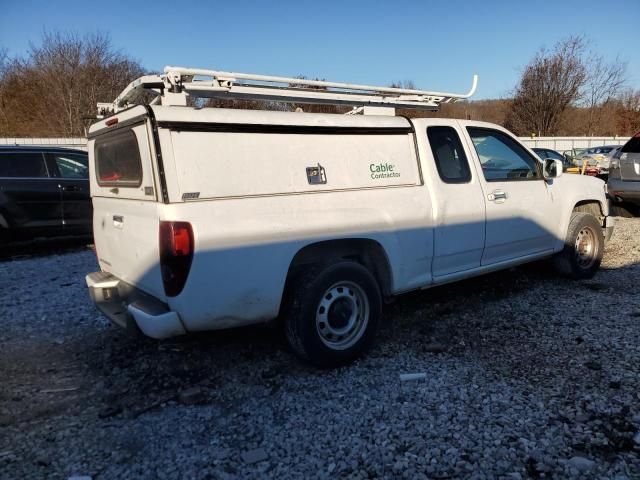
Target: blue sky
{"type": "Point", "coordinates": [438, 45]}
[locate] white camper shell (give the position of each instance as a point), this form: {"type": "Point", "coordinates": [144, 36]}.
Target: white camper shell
{"type": "Point", "coordinates": [210, 218]}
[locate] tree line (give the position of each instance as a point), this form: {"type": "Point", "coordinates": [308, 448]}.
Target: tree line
{"type": "Point", "coordinates": [564, 91]}
{"type": "Point", "coordinates": [53, 90]}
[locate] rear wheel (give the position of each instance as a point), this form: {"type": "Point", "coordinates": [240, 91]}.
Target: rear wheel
{"type": "Point", "coordinates": [333, 313]}
{"type": "Point", "coordinates": [583, 249]}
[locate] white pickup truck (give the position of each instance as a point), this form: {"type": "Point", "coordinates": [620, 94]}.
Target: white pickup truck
{"type": "Point", "coordinates": [210, 218]}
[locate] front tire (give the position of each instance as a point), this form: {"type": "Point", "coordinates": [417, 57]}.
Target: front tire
{"type": "Point", "coordinates": [333, 313]}
{"type": "Point", "coordinates": [583, 248]}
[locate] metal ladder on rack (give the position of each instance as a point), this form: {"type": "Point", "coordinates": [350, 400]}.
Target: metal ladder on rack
{"type": "Point", "coordinates": [178, 83]}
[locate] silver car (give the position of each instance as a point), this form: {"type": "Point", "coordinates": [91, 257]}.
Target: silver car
{"type": "Point", "coordinates": [598, 157]}
{"type": "Point", "coordinates": [624, 173]}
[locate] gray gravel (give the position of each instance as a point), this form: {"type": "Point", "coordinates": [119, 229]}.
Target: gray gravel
{"type": "Point", "coordinates": [527, 376]}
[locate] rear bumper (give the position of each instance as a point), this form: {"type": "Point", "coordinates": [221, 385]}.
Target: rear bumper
{"type": "Point", "coordinates": [131, 308]}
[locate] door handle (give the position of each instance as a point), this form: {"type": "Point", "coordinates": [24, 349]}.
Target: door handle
{"type": "Point", "coordinates": [71, 188]}
{"type": "Point", "coordinates": [497, 196]}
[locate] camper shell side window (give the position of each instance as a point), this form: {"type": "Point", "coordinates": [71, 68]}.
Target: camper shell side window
{"type": "Point", "coordinates": [117, 159]}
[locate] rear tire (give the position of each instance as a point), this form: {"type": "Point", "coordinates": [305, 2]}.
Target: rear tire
{"type": "Point", "coordinates": [333, 313]}
{"type": "Point", "coordinates": [583, 248]}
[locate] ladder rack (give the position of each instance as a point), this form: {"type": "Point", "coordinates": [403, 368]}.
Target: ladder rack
{"type": "Point", "coordinates": [177, 83]}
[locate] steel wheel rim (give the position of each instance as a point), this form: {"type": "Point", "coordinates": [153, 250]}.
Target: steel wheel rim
{"type": "Point", "coordinates": [586, 247]}
{"type": "Point", "coordinates": [342, 315]}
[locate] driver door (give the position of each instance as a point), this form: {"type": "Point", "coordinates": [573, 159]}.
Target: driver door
{"type": "Point", "coordinates": [520, 209]}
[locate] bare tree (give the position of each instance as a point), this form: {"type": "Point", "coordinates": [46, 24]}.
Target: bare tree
{"type": "Point", "coordinates": [4, 57]}
{"type": "Point", "coordinates": [4, 63]}
{"type": "Point", "coordinates": [549, 84]}
{"type": "Point", "coordinates": [406, 84]}
{"type": "Point", "coordinates": [629, 112]}
{"type": "Point", "coordinates": [56, 87]}
{"type": "Point", "coordinates": [604, 82]}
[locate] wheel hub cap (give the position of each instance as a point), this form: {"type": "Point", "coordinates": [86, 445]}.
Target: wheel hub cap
{"type": "Point", "coordinates": [585, 247]}
{"type": "Point", "coordinates": [342, 315]}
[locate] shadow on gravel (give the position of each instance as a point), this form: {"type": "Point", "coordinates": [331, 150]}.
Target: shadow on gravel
{"type": "Point", "coordinates": [137, 374]}
{"type": "Point", "coordinates": [624, 210]}
{"type": "Point", "coordinates": [44, 247]}
{"type": "Point", "coordinates": [563, 352]}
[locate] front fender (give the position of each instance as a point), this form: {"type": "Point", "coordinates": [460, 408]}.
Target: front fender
{"type": "Point", "coordinates": [573, 190]}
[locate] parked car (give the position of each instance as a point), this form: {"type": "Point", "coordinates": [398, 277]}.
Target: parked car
{"type": "Point", "coordinates": [44, 192]}
{"type": "Point", "coordinates": [598, 158]}
{"type": "Point", "coordinates": [573, 155]}
{"type": "Point", "coordinates": [214, 218]}
{"type": "Point", "coordinates": [606, 162]}
{"type": "Point", "coordinates": [624, 173]}
{"type": "Point", "coordinates": [545, 153]}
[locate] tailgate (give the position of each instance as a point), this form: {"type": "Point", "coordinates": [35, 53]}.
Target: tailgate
{"type": "Point", "coordinates": [124, 192]}
{"type": "Point", "coordinates": [126, 239]}
{"type": "Point", "coordinates": [630, 166]}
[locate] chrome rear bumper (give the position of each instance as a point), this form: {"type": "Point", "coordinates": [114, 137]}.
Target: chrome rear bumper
{"type": "Point", "coordinates": [131, 308]}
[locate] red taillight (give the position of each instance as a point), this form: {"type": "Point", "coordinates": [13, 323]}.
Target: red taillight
{"type": "Point", "coordinates": [176, 253]}
{"type": "Point", "coordinates": [111, 122]}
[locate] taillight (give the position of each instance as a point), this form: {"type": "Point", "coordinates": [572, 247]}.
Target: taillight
{"type": "Point", "coordinates": [176, 253]}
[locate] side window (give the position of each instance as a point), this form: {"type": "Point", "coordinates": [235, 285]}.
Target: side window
{"type": "Point", "coordinates": [501, 157]}
{"type": "Point", "coordinates": [27, 164]}
{"type": "Point", "coordinates": [72, 166]}
{"type": "Point", "coordinates": [554, 155]}
{"type": "Point", "coordinates": [118, 159]}
{"type": "Point", "coordinates": [448, 153]}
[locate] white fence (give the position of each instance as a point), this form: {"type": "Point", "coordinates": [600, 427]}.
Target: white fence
{"type": "Point", "coordinates": [79, 143]}
{"type": "Point", "coordinates": [556, 143]}
{"type": "Point", "coordinates": [567, 143]}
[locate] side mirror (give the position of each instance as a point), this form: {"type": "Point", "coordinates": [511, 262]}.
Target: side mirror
{"type": "Point", "coordinates": [551, 168]}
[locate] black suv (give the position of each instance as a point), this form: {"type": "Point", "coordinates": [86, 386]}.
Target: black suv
{"type": "Point", "coordinates": [44, 192]}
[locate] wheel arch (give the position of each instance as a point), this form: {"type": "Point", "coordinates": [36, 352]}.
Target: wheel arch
{"type": "Point", "coordinates": [368, 252]}
{"type": "Point", "coordinates": [592, 206]}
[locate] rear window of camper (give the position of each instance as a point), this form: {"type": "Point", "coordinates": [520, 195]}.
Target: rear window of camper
{"type": "Point", "coordinates": [118, 160]}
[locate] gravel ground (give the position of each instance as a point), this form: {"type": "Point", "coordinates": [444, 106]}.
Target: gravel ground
{"type": "Point", "coordinates": [527, 376]}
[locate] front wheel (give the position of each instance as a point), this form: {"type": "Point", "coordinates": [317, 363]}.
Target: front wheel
{"type": "Point", "coordinates": [333, 313]}
{"type": "Point", "coordinates": [583, 248]}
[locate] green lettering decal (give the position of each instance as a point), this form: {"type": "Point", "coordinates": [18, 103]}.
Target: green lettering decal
{"type": "Point", "coordinates": [383, 170]}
